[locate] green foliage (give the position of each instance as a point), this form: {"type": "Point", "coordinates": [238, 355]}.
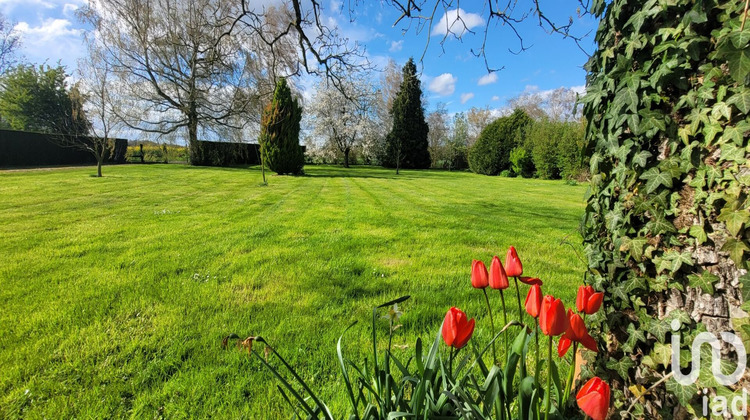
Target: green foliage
{"type": "Point", "coordinates": [279, 134]}
{"type": "Point", "coordinates": [521, 163]}
{"type": "Point", "coordinates": [491, 152]}
{"type": "Point", "coordinates": [557, 149]}
{"type": "Point", "coordinates": [407, 144]}
{"type": "Point", "coordinates": [667, 110]}
{"type": "Point", "coordinates": [38, 99]}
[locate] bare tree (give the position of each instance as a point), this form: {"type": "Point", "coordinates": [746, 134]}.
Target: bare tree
{"type": "Point", "coordinates": [10, 41]}
{"type": "Point", "coordinates": [478, 119]}
{"type": "Point", "coordinates": [101, 106]}
{"type": "Point", "coordinates": [561, 105]}
{"type": "Point", "coordinates": [344, 118]}
{"type": "Point", "coordinates": [531, 102]}
{"type": "Point", "coordinates": [203, 64]}
{"type": "Point", "coordinates": [557, 105]}
{"type": "Point", "coordinates": [438, 136]}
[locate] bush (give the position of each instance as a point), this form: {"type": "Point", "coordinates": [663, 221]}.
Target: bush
{"type": "Point", "coordinates": [557, 149]}
{"type": "Point", "coordinates": [521, 163]}
{"type": "Point", "coordinates": [507, 174]}
{"type": "Point", "coordinates": [491, 152]}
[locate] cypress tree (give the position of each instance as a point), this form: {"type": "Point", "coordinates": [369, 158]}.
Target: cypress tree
{"type": "Point", "coordinates": [406, 144]}
{"type": "Point", "coordinates": [279, 133]}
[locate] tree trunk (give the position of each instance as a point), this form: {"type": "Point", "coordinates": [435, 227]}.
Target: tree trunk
{"type": "Point", "coordinates": [194, 147]}
{"type": "Point", "coordinates": [346, 157]}
{"type": "Point", "coordinates": [99, 159]}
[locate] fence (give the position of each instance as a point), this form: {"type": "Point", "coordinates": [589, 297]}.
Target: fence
{"type": "Point", "coordinates": [22, 148]}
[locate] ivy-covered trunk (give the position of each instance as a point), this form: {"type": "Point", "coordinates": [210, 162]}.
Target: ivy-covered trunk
{"type": "Point", "coordinates": [667, 104]}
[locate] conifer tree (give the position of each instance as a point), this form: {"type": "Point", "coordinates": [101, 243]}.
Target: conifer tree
{"type": "Point", "coordinates": [279, 136]}
{"type": "Point", "coordinates": [406, 144]}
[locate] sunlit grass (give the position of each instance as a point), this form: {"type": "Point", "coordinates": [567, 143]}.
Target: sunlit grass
{"type": "Point", "coordinates": [116, 292]}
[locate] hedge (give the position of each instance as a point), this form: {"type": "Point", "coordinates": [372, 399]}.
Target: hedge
{"type": "Point", "coordinates": [22, 148]}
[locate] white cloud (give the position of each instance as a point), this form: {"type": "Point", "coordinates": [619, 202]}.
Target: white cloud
{"type": "Point", "coordinates": [396, 46]}
{"type": "Point", "coordinates": [488, 79]}
{"type": "Point", "coordinates": [457, 22]}
{"type": "Point", "coordinates": [443, 85]}
{"type": "Point", "coordinates": [69, 9]}
{"type": "Point", "coordinates": [54, 39]}
{"type": "Point", "coordinates": [495, 98]}
{"type": "Point", "coordinates": [579, 89]}
{"type": "Point", "coordinates": [466, 96]}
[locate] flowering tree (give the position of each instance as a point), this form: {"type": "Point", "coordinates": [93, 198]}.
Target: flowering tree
{"type": "Point", "coordinates": [344, 116]}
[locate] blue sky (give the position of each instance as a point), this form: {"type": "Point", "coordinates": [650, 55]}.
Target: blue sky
{"type": "Point", "coordinates": [450, 74]}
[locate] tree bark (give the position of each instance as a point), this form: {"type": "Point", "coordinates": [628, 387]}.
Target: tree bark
{"type": "Point", "coordinates": [193, 145]}
{"type": "Point", "coordinates": [346, 157]}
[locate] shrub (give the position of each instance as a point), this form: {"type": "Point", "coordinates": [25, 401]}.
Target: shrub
{"type": "Point", "coordinates": [507, 174]}
{"type": "Point", "coordinates": [490, 154]}
{"type": "Point", "coordinates": [521, 163]}
{"type": "Point", "coordinates": [279, 135]}
{"type": "Point", "coordinates": [556, 148]}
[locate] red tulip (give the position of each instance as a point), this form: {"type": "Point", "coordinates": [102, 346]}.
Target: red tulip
{"type": "Point", "coordinates": [534, 301]}
{"type": "Point", "coordinates": [498, 278]}
{"type": "Point", "coordinates": [479, 276]}
{"type": "Point", "coordinates": [588, 301]}
{"type": "Point", "coordinates": [457, 330]}
{"type": "Point", "coordinates": [513, 266]}
{"type": "Point", "coordinates": [593, 398]}
{"type": "Point", "coordinates": [552, 317]}
{"type": "Point", "coordinates": [576, 332]}
{"type": "Point", "coordinates": [530, 280]}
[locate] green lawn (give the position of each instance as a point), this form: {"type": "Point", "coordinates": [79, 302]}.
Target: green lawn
{"type": "Point", "coordinates": [116, 292]}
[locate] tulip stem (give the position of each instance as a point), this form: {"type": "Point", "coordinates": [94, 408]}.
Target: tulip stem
{"type": "Point", "coordinates": [548, 396]}
{"type": "Point", "coordinates": [536, 339]}
{"type": "Point", "coordinates": [450, 362]}
{"type": "Point", "coordinates": [505, 322]}
{"type": "Point", "coordinates": [569, 384]}
{"type": "Point", "coordinates": [518, 295]}
{"type": "Point", "coordinates": [492, 324]}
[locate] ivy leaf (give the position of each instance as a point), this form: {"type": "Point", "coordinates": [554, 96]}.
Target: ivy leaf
{"type": "Point", "coordinates": [721, 109]}
{"type": "Point", "coordinates": [656, 178]}
{"type": "Point", "coordinates": [739, 64]}
{"type": "Point", "coordinates": [621, 366]}
{"type": "Point", "coordinates": [635, 246]}
{"type": "Point", "coordinates": [662, 354]}
{"type": "Point", "coordinates": [697, 232]}
{"type": "Point", "coordinates": [711, 130]}
{"type": "Point", "coordinates": [641, 158]}
{"type": "Point", "coordinates": [741, 100]}
{"type": "Point", "coordinates": [681, 258]}
{"type": "Point", "coordinates": [679, 315]}
{"type": "Point", "coordinates": [733, 133]}
{"type": "Point", "coordinates": [659, 224]}
{"type": "Point", "coordinates": [745, 287]}
{"type": "Point", "coordinates": [705, 281]}
{"type": "Point", "coordinates": [658, 284]}
{"type": "Point", "coordinates": [634, 336]}
{"type": "Point", "coordinates": [731, 152]}
{"type": "Point", "coordinates": [684, 393]}
{"type": "Point", "coordinates": [734, 219]}
{"type": "Point", "coordinates": [735, 249]}
{"type": "Point", "coordinates": [740, 38]}
{"type": "Point", "coordinates": [659, 329]}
